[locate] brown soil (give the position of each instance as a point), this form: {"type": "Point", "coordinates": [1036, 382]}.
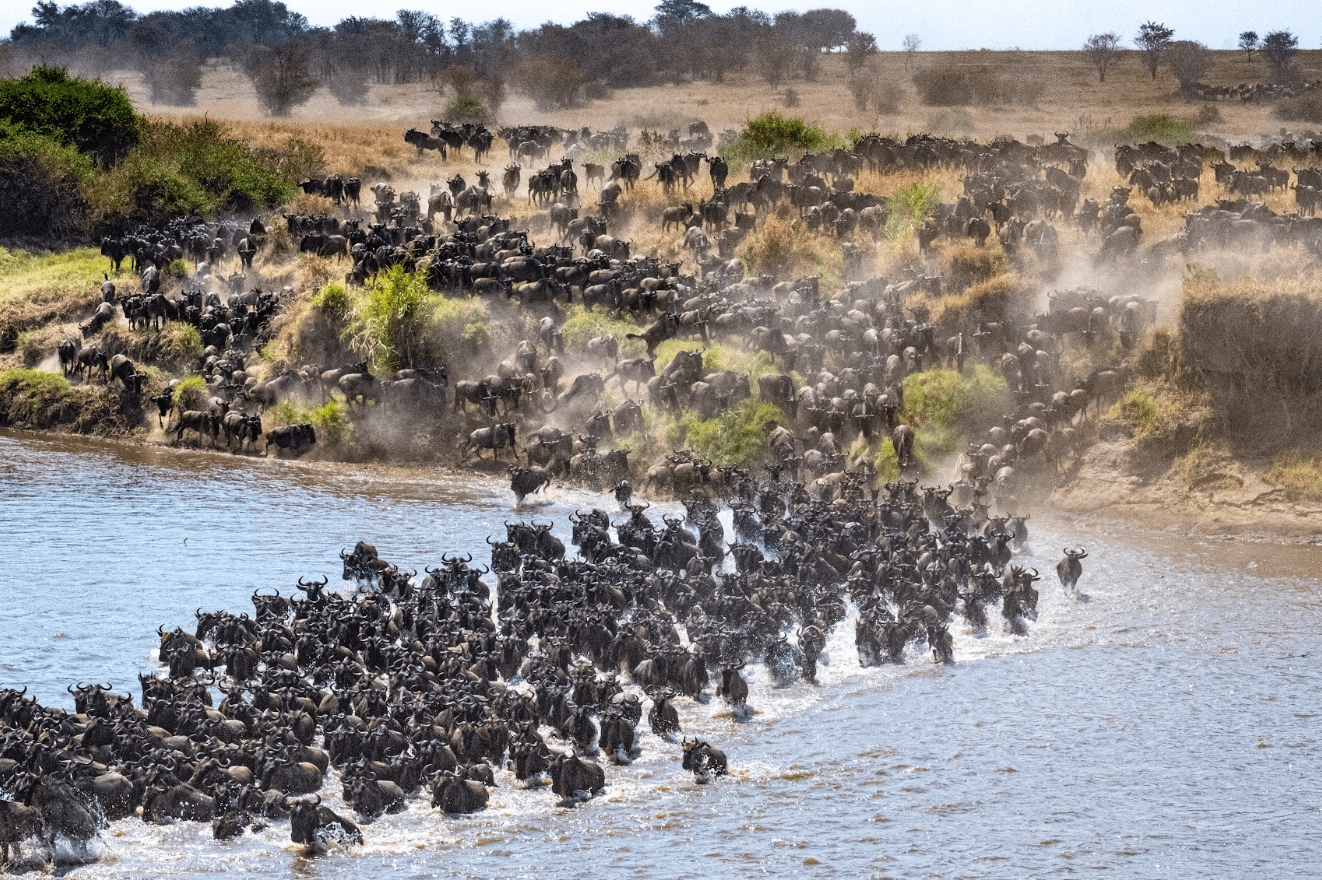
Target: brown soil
{"type": "Point", "coordinates": [1209, 492]}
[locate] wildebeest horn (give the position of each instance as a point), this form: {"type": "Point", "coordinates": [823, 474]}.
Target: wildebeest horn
{"type": "Point", "coordinates": [344, 555]}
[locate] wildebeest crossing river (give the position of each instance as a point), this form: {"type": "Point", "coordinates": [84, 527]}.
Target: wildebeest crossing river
{"type": "Point", "coordinates": [1164, 724]}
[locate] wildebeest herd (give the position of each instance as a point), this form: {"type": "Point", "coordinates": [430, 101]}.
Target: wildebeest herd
{"type": "Point", "coordinates": [405, 691]}
{"type": "Point", "coordinates": [854, 348]}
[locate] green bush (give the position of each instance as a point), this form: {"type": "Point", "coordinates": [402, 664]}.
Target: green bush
{"type": "Point", "coordinates": [910, 208]}
{"type": "Point", "coordinates": [330, 421]}
{"type": "Point", "coordinates": [97, 119]}
{"type": "Point", "coordinates": [191, 168]}
{"type": "Point", "coordinates": [944, 407]}
{"type": "Point", "coordinates": [1160, 128]}
{"type": "Point", "coordinates": [397, 321]}
{"type": "Point", "coordinates": [772, 135]}
{"type": "Point", "coordinates": [332, 299]}
{"type": "Point", "coordinates": [465, 108]}
{"type": "Point", "coordinates": [737, 436]}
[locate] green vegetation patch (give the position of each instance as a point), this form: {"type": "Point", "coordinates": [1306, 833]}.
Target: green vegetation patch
{"type": "Point", "coordinates": [1299, 474]}
{"type": "Point", "coordinates": [97, 119]}
{"type": "Point", "coordinates": [43, 401]}
{"type": "Point", "coordinates": [945, 408]}
{"type": "Point", "coordinates": [192, 168]}
{"type": "Point", "coordinates": [1159, 127]}
{"type": "Point", "coordinates": [771, 135]}
{"type": "Point", "coordinates": [397, 321]}
{"type": "Point", "coordinates": [910, 207]}
{"type": "Point", "coordinates": [23, 272]}
{"type": "Point", "coordinates": [331, 421]}
{"type": "Point", "coordinates": [738, 435]}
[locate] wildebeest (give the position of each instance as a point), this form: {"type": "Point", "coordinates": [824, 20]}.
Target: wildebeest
{"type": "Point", "coordinates": [663, 328]}
{"type": "Point", "coordinates": [495, 438]}
{"type": "Point", "coordinates": [17, 823]}
{"type": "Point", "coordinates": [524, 481]}
{"type": "Point", "coordinates": [1070, 568]}
{"type": "Point", "coordinates": [311, 824]}
{"type": "Point", "coordinates": [571, 774]}
{"type": "Point", "coordinates": [902, 440]}
{"type": "Point", "coordinates": [292, 437]}
{"type": "Point", "coordinates": [203, 422]}
{"type": "Point", "coordinates": [703, 761]}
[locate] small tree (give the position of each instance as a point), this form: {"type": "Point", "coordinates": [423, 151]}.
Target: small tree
{"type": "Point", "coordinates": [1248, 41]}
{"type": "Point", "coordinates": [1103, 50]}
{"type": "Point", "coordinates": [774, 57]}
{"type": "Point", "coordinates": [1278, 50]}
{"type": "Point", "coordinates": [1153, 38]}
{"type": "Point", "coordinates": [282, 77]}
{"type": "Point", "coordinates": [1189, 60]}
{"type": "Point", "coordinates": [859, 49]}
{"type": "Point", "coordinates": [911, 44]}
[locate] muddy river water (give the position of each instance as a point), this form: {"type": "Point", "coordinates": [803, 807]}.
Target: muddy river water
{"type": "Point", "coordinates": [1165, 723]}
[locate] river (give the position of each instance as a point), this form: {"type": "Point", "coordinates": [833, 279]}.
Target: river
{"type": "Point", "coordinates": [1164, 723]}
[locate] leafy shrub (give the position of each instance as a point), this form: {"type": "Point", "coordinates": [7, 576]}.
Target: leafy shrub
{"type": "Point", "coordinates": [384, 320]}
{"type": "Point", "coordinates": [911, 207]}
{"type": "Point", "coordinates": [396, 322]}
{"type": "Point", "coordinates": [191, 168]}
{"type": "Point", "coordinates": [332, 299]}
{"type": "Point", "coordinates": [97, 119]}
{"type": "Point", "coordinates": [465, 108]}
{"type": "Point", "coordinates": [1207, 114]}
{"type": "Point", "coordinates": [331, 421]}
{"type": "Point", "coordinates": [191, 393]}
{"type": "Point", "coordinates": [774, 135]}
{"type": "Point", "coordinates": [1159, 127]}
{"type": "Point", "coordinates": [43, 175]}
{"type": "Point", "coordinates": [737, 436]}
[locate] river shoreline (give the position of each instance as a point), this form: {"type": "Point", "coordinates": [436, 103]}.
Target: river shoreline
{"type": "Point", "coordinates": [1240, 509]}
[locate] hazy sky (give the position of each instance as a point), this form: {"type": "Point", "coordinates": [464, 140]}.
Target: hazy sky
{"type": "Point", "coordinates": [1025, 24]}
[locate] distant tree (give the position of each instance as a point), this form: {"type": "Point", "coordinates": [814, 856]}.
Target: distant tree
{"type": "Point", "coordinates": [282, 76]}
{"type": "Point", "coordinates": [1278, 49]}
{"type": "Point", "coordinates": [1153, 38]}
{"type": "Point", "coordinates": [911, 44]}
{"type": "Point", "coordinates": [1248, 41]}
{"type": "Point", "coordinates": [1189, 60]}
{"type": "Point", "coordinates": [774, 56]}
{"type": "Point", "coordinates": [552, 81]}
{"type": "Point", "coordinates": [674, 12]}
{"type": "Point", "coordinates": [859, 49]}
{"type": "Point", "coordinates": [825, 29]}
{"type": "Point", "coordinates": [1103, 50]}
